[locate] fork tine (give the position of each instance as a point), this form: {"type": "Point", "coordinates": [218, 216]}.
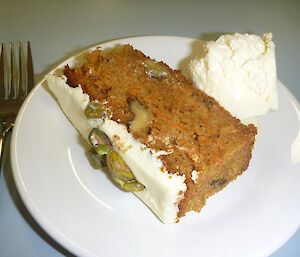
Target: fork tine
{"type": "Point", "coordinates": [12, 85]}
{"type": "Point", "coordinates": [20, 71]}
{"type": "Point", "coordinates": [2, 82]}
{"type": "Point", "coordinates": [30, 71]}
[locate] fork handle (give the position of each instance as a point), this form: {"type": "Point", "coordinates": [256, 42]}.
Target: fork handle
{"type": "Point", "coordinates": [3, 134]}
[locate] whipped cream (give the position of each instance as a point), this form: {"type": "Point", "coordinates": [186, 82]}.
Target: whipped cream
{"type": "Point", "coordinates": [163, 191]}
{"type": "Point", "coordinates": [239, 71]}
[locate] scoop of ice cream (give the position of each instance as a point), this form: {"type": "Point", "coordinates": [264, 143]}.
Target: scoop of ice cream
{"type": "Point", "coordinates": [239, 71]}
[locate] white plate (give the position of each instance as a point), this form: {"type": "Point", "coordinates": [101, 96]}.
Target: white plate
{"type": "Point", "coordinates": [81, 209]}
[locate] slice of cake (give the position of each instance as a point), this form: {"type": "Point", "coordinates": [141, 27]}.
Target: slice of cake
{"type": "Point", "coordinates": [162, 138]}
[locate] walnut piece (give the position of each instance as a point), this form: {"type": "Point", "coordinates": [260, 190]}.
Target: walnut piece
{"type": "Point", "coordinates": [142, 117]}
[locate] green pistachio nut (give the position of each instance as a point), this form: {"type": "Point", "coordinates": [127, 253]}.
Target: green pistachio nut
{"type": "Point", "coordinates": [129, 186]}
{"type": "Point", "coordinates": [100, 141]}
{"type": "Point", "coordinates": [155, 69]}
{"type": "Point", "coordinates": [133, 186]}
{"type": "Point", "coordinates": [97, 161]}
{"type": "Point", "coordinates": [94, 110]}
{"type": "Point", "coordinates": [118, 167]}
{"type": "Point", "coordinates": [122, 174]}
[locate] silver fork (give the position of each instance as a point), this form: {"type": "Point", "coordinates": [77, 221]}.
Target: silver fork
{"type": "Point", "coordinates": [16, 81]}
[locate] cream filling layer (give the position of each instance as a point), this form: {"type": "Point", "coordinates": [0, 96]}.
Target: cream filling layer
{"type": "Point", "coordinates": [163, 191]}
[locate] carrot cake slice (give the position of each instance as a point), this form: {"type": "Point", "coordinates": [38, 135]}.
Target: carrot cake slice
{"type": "Point", "coordinates": [160, 136]}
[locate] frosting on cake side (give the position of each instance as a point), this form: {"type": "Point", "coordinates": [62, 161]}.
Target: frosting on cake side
{"type": "Point", "coordinates": [163, 191]}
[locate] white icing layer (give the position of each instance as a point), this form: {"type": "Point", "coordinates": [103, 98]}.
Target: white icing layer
{"type": "Point", "coordinates": [239, 71]}
{"type": "Point", "coordinates": [163, 191]}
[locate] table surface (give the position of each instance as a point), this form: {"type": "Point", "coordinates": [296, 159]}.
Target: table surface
{"type": "Point", "coordinates": [59, 28]}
